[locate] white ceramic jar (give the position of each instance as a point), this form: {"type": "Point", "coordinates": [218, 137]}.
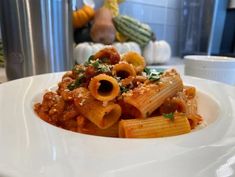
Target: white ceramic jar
{"type": "Point", "coordinates": [216, 68]}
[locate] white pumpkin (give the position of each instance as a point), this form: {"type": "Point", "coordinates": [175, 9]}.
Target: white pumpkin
{"type": "Point", "coordinates": [84, 50]}
{"type": "Point", "coordinates": [127, 46]}
{"type": "Point", "coordinates": [157, 52]}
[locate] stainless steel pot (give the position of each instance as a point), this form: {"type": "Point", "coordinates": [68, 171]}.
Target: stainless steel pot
{"type": "Point", "coordinates": [37, 36]}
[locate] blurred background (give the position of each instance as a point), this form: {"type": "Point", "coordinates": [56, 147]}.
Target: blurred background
{"type": "Point", "coordinates": [189, 26]}
{"type": "Point", "coordinates": [41, 40]}
{"type": "Point", "coordinates": [163, 16]}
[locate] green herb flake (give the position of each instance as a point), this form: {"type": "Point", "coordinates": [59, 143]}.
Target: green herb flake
{"type": "Point", "coordinates": [104, 69]}
{"type": "Point", "coordinates": [71, 86]}
{"type": "Point", "coordinates": [76, 83]}
{"type": "Point", "coordinates": [147, 71]}
{"type": "Point", "coordinates": [78, 70]}
{"type": "Point", "coordinates": [96, 64]}
{"type": "Point", "coordinates": [123, 89]}
{"type": "Point", "coordinates": [152, 76]}
{"type": "Point", "coordinates": [169, 116]}
{"type": "Point", "coordinates": [89, 60]}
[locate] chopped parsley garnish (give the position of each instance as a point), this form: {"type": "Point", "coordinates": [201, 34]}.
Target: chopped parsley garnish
{"type": "Point", "coordinates": [100, 60]}
{"type": "Point", "coordinates": [169, 116]}
{"type": "Point", "coordinates": [99, 64]}
{"type": "Point", "coordinates": [78, 69]}
{"type": "Point", "coordinates": [104, 69]}
{"type": "Point", "coordinates": [147, 71]}
{"type": "Point", "coordinates": [101, 67]}
{"type": "Point", "coordinates": [89, 61]}
{"type": "Point", "coordinates": [76, 83]}
{"type": "Point", "coordinates": [123, 89]}
{"type": "Point", "coordinates": [96, 64]}
{"type": "Point", "coordinates": [71, 86]}
{"type": "Point", "coordinates": [153, 76]}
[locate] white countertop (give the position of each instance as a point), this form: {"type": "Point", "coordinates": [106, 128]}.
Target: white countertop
{"type": "Point", "coordinates": [3, 77]}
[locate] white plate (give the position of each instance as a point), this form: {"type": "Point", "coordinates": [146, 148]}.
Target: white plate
{"type": "Point", "coordinates": [29, 147]}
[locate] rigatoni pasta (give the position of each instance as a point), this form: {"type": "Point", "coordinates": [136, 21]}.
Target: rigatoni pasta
{"type": "Point", "coordinates": [148, 97]}
{"type": "Point", "coordinates": [118, 96]}
{"type": "Point", "coordinates": [135, 59]}
{"type": "Point", "coordinates": [101, 115]}
{"type": "Point", "coordinates": [87, 127]}
{"type": "Point", "coordinates": [123, 70]}
{"type": "Point", "coordinates": [152, 127]}
{"type": "Point", "coordinates": [104, 87]}
{"type": "Point", "coordinates": [185, 102]}
{"type": "Point", "coordinates": [191, 112]}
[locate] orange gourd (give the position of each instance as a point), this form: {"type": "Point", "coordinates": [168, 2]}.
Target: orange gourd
{"type": "Point", "coordinates": [82, 16]}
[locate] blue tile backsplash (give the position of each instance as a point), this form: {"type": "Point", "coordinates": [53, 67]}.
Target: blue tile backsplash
{"type": "Point", "coordinates": [143, 12]}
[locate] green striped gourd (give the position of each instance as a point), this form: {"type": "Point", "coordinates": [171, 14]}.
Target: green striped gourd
{"type": "Point", "coordinates": [133, 29]}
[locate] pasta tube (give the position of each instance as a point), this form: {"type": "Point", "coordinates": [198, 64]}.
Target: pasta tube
{"type": "Point", "coordinates": [143, 100]}
{"type": "Point", "coordinates": [191, 113]}
{"type": "Point", "coordinates": [102, 115]}
{"type": "Point", "coordinates": [108, 55]}
{"type": "Point", "coordinates": [123, 70]}
{"type": "Point", "coordinates": [159, 126]}
{"type": "Point", "coordinates": [88, 127]}
{"type": "Point", "coordinates": [183, 102]}
{"type": "Point", "coordinates": [176, 103]}
{"type": "Point", "coordinates": [135, 59]}
{"type": "Point", "coordinates": [104, 87]}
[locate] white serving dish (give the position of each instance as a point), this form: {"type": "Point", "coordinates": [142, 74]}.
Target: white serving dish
{"type": "Point", "coordinates": [31, 147]}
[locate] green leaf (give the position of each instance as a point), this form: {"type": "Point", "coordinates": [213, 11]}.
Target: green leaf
{"type": "Point", "coordinates": [169, 116]}
{"type": "Point", "coordinates": [76, 83]}
{"type": "Point", "coordinates": [71, 86]}
{"type": "Point", "coordinates": [96, 64]}
{"type": "Point", "coordinates": [78, 70]}
{"type": "Point", "coordinates": [123, 89]}
{"type": "Point", "coordinates": [154, 77]}
{"type": "Point", "coordinates": [104, 69]}
{"type": "Point", "coordinates": [89, 61]}
{"type": "Point", "coordinates": [147, 71]}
